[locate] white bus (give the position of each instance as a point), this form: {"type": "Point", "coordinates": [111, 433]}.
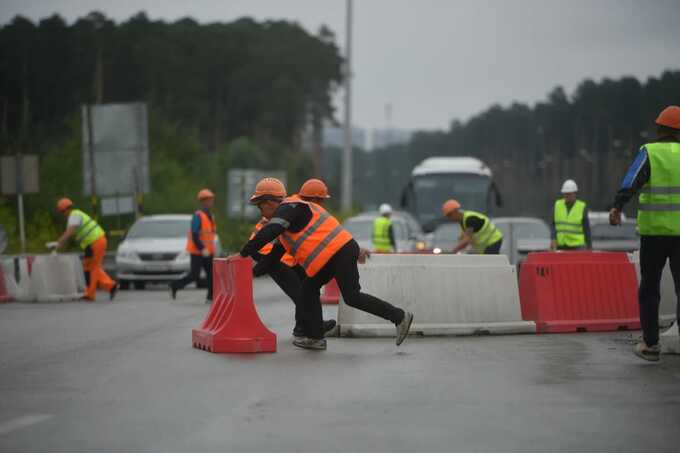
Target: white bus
{"type": "Point", "coordinates": [437, 179]}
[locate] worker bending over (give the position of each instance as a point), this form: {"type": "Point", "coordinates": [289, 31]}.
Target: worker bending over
{"type": "Point", "coordinates": [570, 229]}
{"type": "Point", "coordinates": [655, 174]}
{"type": "Point", "coordinates": [285, 272]}
{"type": "Point", "coordinates": [383, 233]}
{"type": "Point", "coordinates": [325, 250]}
{"type": "Point", "coordinates": [477, 229]}
{"type": "Point", "coordinates": [92, 239]}
{"type": "Point", "coordinates": [201, 245]}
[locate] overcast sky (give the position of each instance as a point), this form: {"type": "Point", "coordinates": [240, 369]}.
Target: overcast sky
{"type": "Point", "coordinates": [436, 60]}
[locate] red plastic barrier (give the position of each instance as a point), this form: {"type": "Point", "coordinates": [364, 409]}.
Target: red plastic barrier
{"type": "Point", "coordinates": [331, 293]}
{"type": "Point", "coordinates": [4, 294]}
{"type": "Point", "coordinates": [579, 291]}
{"type": "Point", "coordinates": [232, 324]}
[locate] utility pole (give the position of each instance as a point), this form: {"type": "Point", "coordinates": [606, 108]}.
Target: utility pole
{"type": "Point", "coordinates": [346, 200]}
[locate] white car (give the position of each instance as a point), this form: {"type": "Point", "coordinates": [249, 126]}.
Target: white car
{"type": "Point", "coordinates": [153, 250]}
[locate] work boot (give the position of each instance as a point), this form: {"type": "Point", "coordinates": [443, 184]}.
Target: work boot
{"type": "Point", "coordinates": [650, 353]}
{"type": "Point", "coordinates": [114, 290]}
{"type": "Point", "coordinates": [298, 331]}
{"type": "Point", "coordinates": [310, 343]}
{"type": "Point", "coordinates": [403, 327]}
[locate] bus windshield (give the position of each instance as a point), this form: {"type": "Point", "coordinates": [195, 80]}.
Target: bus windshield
{"type": "Point", "coordinates": [430, 191]}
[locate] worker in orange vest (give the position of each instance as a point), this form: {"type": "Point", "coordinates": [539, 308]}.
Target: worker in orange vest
{"type": "Point", "coordinates": [325, 250]}
{"type": "Point", "coordinates": [92, 239]}
{"type": "Point", "coordinates": [201, 245]}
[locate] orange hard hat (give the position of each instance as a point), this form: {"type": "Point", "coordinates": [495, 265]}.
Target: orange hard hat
{"type": "Point", "coordinates": [268, 188]}
{"type": "Point", "coordinates": [63, 204]}
{"type": "Point", "coordinates": [449, 206]}
{"type": "Point", "coordinates": [314, 188]}
{"type": "Point", "coordinates": [669, 117]}
{"type": "Point", "coordinates": [205, 194]}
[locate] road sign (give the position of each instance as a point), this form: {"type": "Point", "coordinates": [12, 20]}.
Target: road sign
{"type": "Point", "coordinates": [20, 174]}
{"type": "Point", "coordinates": [240, 185]}
{"type": "Point", "coordinates": [118, 205]}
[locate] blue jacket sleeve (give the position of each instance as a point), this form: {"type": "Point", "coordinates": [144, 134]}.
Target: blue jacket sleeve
{"type": "Point", "coordinates": [196, 231]}
{"type": "Point", "coordinates": [636, 177]}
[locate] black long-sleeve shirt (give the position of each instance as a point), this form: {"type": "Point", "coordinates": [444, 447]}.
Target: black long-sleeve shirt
{"type": "Point", "coordinates": [585, 224]}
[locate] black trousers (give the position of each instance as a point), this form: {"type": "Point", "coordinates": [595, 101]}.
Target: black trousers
{"type": "Point", "coordinates": [343, 267]}
{"type": "Point", "coordinates": [198, 262]}
{"type": "Point", "coordinates": [289, 279]}
{"type": "Point", "coordinates": [494, 249]}
{"type": "Point", "coordinates": [654, 252]}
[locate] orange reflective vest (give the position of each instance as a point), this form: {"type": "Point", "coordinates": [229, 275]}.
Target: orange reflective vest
{"type": "Point", "coordinates": [267, 249]}
{"type": "Point", "coordinates": [207, 235]}
{"type": "Point", "coordinates": [314, 245]}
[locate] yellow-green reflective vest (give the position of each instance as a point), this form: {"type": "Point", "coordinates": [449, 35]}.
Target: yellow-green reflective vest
{"type": "Point", "coordinates": [569, 224]}
{"type": "Point", "coordinates": [381, 234]}
{"type": "Point", "coordinates": [88, 231]}
{"type": "Point", "coordinates": [659, 209]}
{"type": "Point", "coordinates": [486, 236]}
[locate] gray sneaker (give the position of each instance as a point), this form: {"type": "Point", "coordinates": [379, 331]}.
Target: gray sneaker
{"type": "Point", "coordinates": [650, 353]}
{"type": "Point", "coordinates": [310, 343]}
{"type": "Point", "coordinates": [403, 327]}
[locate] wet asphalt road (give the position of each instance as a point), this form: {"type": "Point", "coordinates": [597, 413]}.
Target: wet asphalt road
{"type": "Point", "coordinates": [123, 377]}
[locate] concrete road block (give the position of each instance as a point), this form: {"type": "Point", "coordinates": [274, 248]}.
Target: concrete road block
{"type": "Point", "coordinates": [17, 278]}
{"type": "Point", "coordinates": [448, 294]}
{"type": "Point", "coordinates": [53, 278]}
{"type": "Point", "coordinates": [670, 340]}
{"type": "Point", "coordinates": [669, 300]}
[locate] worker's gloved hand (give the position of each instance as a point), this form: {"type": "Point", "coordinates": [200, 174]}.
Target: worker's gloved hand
{"type": "Point", "coordinates": [261, 268]}
{"type": "Point", "coordinates": [553, 245]}
{"type": "Point", "coordinates": [205, 252]}
{"type": "Point", "coordinates": [614, 217]}
{"type": "Point", "coordinates": [363, 255]}
{"type": "Point", "coordinates": [52, 245]}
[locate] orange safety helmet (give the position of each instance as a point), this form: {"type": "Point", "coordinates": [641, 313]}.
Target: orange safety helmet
{"type": "Point", "coordinates": [314, 188]}
{"type": "Point", "coordinates": [449, 206]}
{"type": "Point", "coordinates": [268, 188]}
{"type": "Point", "coordinates": [204, 194]}
{"type": "Point", "coordinates": [63, 204]}
{"type": "Point", "coordinates": [669, 117]}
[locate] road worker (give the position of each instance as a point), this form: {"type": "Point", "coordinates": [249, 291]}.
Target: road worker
{"type": "Point", "coordinates": [383, 233]}
{"type": "Point", "coordinates": [477, 229]}
{"type": "Point", "coordinates": [325, 250]}
{"type": "Point", "coordinates": [655, 174]}
{"type": "Point", "coordinates": [201, 245]}
{"type": "Point", "coordinates": [92, 239]}
{"type": "Point", "coordinates": [570, 229]}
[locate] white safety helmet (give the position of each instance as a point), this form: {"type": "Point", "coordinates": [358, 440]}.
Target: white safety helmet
{"type": "Point", "coordinates": [569, 186]}
{"type": "Point", "coordinates": [385, 209]}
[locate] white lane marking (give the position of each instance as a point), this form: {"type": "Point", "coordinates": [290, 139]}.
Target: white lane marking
{"type": "Point", "coordinates": [22, 422]}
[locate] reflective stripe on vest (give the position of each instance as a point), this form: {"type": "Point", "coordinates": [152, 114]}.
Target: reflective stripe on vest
{"type": "Point", "coordinates": [314, 245]}
{"type": "Point", "coordinates": [659, 209]}
{"type": "Point", "coordinates": [381, 234]}
{"type": "Point", "coordinates": [207, 235]}
{"type": "Point", "coordinates": [569, 224]}
{"type": "Point", "coordinates": [88, 231]}
{"type": "Point", "coordinates": [486, 236]}
{"type": "Point", "coordinates": [286, 259]}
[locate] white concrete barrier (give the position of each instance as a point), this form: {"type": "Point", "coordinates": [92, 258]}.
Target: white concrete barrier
{"type": "Point", "coordinates": [79, 274]}
{"type": "Point", "coordinates": [670, 340]}
{"type": "Point", "coordinates": [17, 278]}
{"type": "Point", "coordinates": [669, 300]}
{"type": "Point", "coordinates": [53, 278]}
{"type": "Point", "coordinates": [448, 295]}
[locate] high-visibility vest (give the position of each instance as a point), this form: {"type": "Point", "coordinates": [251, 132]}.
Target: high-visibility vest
{"type": "Point", "coordinates": [381, 234]}
{"type": "Point", "coordinates": [569, 224]}
{"type": "Point", "coordinates": [267, 249]}
{"type": "Point", "coordinates": [88, 231]}
{"type": "Point", "coordinates": [314, 245]}
{"type": "Point", "coordinates": [207, 235]}
{"type": "Point", "coordinates": [659, 208]}
{"type": "Point", "coordinates": [486, 236]}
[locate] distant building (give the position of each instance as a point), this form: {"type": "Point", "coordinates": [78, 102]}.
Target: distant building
{"type": "Point", "coordinates": [335, 136]}
{"type": "Point", "coordinates": [381, 138]}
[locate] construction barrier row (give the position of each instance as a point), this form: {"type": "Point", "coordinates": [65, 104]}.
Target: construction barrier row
{"type": "Point", "coordinates": [449, 295]}
{"type": "Point", "coordinates": [43, 278]}
{"type": "Point", "coordinates": [232, 323]}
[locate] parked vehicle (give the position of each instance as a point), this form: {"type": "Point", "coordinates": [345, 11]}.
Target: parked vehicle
{"type": "Point", "coordinates": [153, 251]}
{"type": "Point", "coordinates": [407, 232]}
{"type": "Point", "coordinates": [621, 238]}
{"type": "Point", "coordinates": [444, 237]}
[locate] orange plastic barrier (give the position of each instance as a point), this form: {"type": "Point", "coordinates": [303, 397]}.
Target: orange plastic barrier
{"type": "Point", "coordinates": [232, 324]}
{"type": "Point", "coordinates": [579, 291]}
{"type": "Point", "coordinates": [4, 294]}
{"type": "Point", "coordinates": [331, 293]}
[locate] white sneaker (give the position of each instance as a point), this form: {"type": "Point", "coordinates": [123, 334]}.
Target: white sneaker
{"type": "Point", "coordinates": [403, 327]}
{"type": "Point", "coordinates": [310, 343]}
{"type": "Point", "coordinates": [650, 353]}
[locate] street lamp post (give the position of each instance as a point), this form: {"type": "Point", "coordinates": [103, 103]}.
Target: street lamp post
{"type": "Point", "coordinates": [346, 200]}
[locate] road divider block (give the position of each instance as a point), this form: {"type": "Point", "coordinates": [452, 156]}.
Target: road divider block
{"type": "Point", "coordinates": [669, 300]}
{"type": "Point", "coordinates": [17, 278]}
{"type": "Point", "coordinates": [448, 294]}
{"type": "Point", "coordinates": [331, 293]}
{"type": "Point", "coordinates": [53, 278]}
{"type": "Point", "coordinates": [579, 292]}
{"type": "Point", "coordinates": [5, 296]}
{"type": "Point", "coordinates": [232, 323]}
{"type": "Point", "coordinates": [670, 340]}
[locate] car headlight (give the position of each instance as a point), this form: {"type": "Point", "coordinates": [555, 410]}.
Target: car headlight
{"type": "Point", "coordinates": [127, 255]}
{"type": "Point", "coordinates": [183, 256]}
{"type": "Point", "coordinates": [436, 250]}
{"type": "Point", "coordinates": [420, 245]}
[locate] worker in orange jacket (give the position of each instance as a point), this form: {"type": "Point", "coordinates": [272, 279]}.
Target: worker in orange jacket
{"type": "Point", "coordinates": [201, 245]}
{"type": "Point", "coordinates": [92, 239]}
{"type": "Point", "coordinates": [325, 250]}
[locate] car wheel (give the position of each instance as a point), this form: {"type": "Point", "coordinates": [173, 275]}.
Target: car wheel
{"type": "Point", "coordinates": [124, 284]}
{"type": "Point", "coordinates": [140, 285]}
